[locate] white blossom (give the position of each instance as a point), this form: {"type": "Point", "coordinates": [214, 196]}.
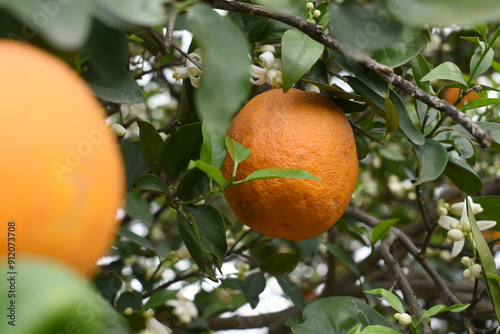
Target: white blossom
{"type": "Point", "coordinates": [269, 71]}
{"type": "Point", "coordinates": [184, 309]}
{"type": "Point", "coordinates": [191, 71]}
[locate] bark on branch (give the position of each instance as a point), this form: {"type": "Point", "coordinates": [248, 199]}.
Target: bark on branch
{"type": "Point", "coordinates": [315, 31]}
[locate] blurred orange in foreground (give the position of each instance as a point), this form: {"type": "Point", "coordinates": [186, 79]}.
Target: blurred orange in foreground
{"type": "Point", "coordinates": [62, 174]}
{"type": "Point", "coordinates": [451, 95]}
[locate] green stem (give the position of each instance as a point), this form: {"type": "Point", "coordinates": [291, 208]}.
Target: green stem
{"type": "Point", "coordinates": [488, 47]}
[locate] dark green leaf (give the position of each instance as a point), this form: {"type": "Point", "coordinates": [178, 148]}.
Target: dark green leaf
{"type": "Point", "coordinates": [123, 89]}
{"type": "Point", "coordinates": [445, 71]}
{"type": "Point", "coordinates": [129, 14]}
{"type": "Point", "coordinates": [137, 239]}
{"type": "Point", "coordinates": [279, 264]}
{"type": "Point", "coordinates": [184, 145]}
{"type": "Point", "coordinates": [391, 115]}
{"type": "Point", "coordinates": [298, 54]}
{"type": "Point", "coordinates": [432, 159]}
{"type": "Point", "coordinates": [392, 154]}
{"type": "Point", "coordinates": [213, 149]}
{"type": "Point", "coordinates": [405, 123]}
{"type": "Point", "coordinates": [292, 290]}
{"type": "Point", "coordinates": [382, 229]}
{"type": "Point", "coordinates": [192, 184]}
{"type": "Point", "coordinates": [412, 41]}
{"type": "Point", "coordinates": [358, 28]}
{"type": "Point", "coordinates": [463, 176]}
{"type": "Point", "coordinates": [159, 298]}
{"type": "Point", "coordinates": [152, 146]}
{"type": "Point", "coordinates": [137, 207]}
{"type": "Point", "coordinates": [362, 148]}
{"type": "Point", "coordinates": [212, 172]}
{"type": "Point", "coordinates": [421, 68]}
{"type": "Point", "coordinates": [273, 173]}
{"type": "Point", "coordinates": [389, 297]}
{"type": "Point", "coordinates": [151, 183]}
{"type": "Point", "coordinates": [132, 299]}
{"type": "Point", "coordinates": [369, 78]}
{"type": "Point", "coordinates": [336, 315]}
{"type": "Point", "coordinates": [236, 150]}
{"type": "Point", "coordinates": [371, 97]}
{"type": "Point", "coordinates": [135, 164]}
{"type": "Point", "coordinates": [224, 82]}
{"type": "Point", "coordinates": [478, 103]}
{"type": "Point", "coordinates": [212, 231]}
{"type": "Point", "coordinates": [440, 13]}
{"type": "Point", "coordinates": [253, 286]}
{"type": "Point", "coordinates": [66, 25]}
{"type": "Point", "coordinates": [343, 256]}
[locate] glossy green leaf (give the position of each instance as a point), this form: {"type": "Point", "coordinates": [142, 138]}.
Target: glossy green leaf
{"type": "Point", "coordinates": [152, 146]}
{"type": "Point", "coordinates": [432, 159]}
{"type": "Point", "coordinates": [137, 207]}
{"type": "Point", "coordinates": [362, 148]}
{"type": "Point", "coordinates": [478, 103]}
{"type": "Point", "coordinates": [253, 286]}
{"type": "Point", "coordinates": [487, 262]}
{"type": "Point", "coordinates": [382, 229]}
{"type": "Point", "coordinates": [332, 89]}
{"type": "Point", "coordinates": [213, 149]}
{"type": "Point", "coordinates": [159, 298]}
{"type": "Point", "coordinates": [151, 183]}
{"type": "Point", "coordinates": [129, 14]}
{"type": "Point", "coordinates": [335, 315]}
{"type": "Point", "coordinates": [356, 329]}
{"type": "Point", "coordinates": [405, 123]}
{"type": "Point", "coordinates": [224, 82]}
{"type": "Point", "coordinates": [123, 89]}
{"type": "Point", "coordinates": [445, 71]}
{"type": "Point", "coordinates": [273, 173]}
{"type": "Point", "coordinates": [485, 64]}
{"type": "Point", "coordinates": [463, 176]}
{"type": "Point", "coordinates": [420, 68]}
{"type": "Point", "coordinates": [135, 164]}
{"type": "Point", "coordinates": [137, 239]}
{"type": "Point", "coordinates": [491, 209]}
{"type": "Point", "coordinates": [184, 145]}
{"type": "Point", "coordinates": [343, 256]}
{"type": "Point", "coordinates": [298, 54]}
{"type": "Point", "coordinates": [64, 24]}
{"type": "Point", "coordinates": [412, 41]}
{"type": "Point", "coordinates": [443, 308]}
{"type": "Point", "coordinates": [192, 184]}
{"type": "Point", "coordinates": [389, 297]}
{"type": "Point", "coordinates": [292, 290]}
{"type": "Point", "coordinates": [378, 329]}
{"type": "Point", "coordinates": [211, 171]}
{"type": "Point", "coordinates": [445, 12]}
{"type": "Point", "coordinates": [279, 264]}
{"type": "Point", "coordinates": [236, 150]}
{"type": "Point", "coordinates": [391, 115]}
{"type": "Point", "coordinates": [369, 78]}
{"type": "Point", "coordinates": [370, 96]}
{"type": "Point", "coordinates": [212, 231]}
{"type": "Point", "coordinates": [358, 27]}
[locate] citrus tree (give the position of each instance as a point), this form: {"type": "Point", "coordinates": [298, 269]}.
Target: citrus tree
{"type": "Point", "coordinates": [242, 222]}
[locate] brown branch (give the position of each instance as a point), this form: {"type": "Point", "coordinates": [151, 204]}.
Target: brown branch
{"type": "Point", "coordinates": [315, 31]}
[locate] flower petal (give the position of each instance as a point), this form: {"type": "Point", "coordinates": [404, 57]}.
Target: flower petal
{"type": "Point", "coordinates": [180, 73]}
{"type": "Point", "coordinates": [256, 71]}
{"type": "Point", "coordinates": [486, 224]}
{"type": "Point", "coordinates": [267, 59]}
{"type": "Point", "coordinates": [445, 221]}
{"type": "Point", "coordinates": [457, 247]}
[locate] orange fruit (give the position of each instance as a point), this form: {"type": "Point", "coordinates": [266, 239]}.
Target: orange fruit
{"type": "Point", "coordinates": [62, 175]}
{"type": "Point", "coordinates": [300, 130]}
{"type": "Point", "coordinates": [451, 95]}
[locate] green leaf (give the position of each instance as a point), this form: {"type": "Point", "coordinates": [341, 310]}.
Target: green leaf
{"type": "Point", "coordinates": [123, 89]}
{"type": "Point", "coordinates": [151, 183]}
{"type": "Point", "coordinates": [298, 54]}
{"type": "Point", "coordinates": [212, 231]}
{"type": "Point", "coordinates": [389, 297]}
{"type": "Point", "coordinates": [377, 329]}
{"type": "Point", "coordinates": [391, 115]}
{"type": "Point", "coordinates": [432, 159]}
{"type": "Point", "coordinates": [360, 28]}
{"type": "Point", "coordinates": [485, 63]}
{"type": "Point", "coordinates": [273, 173]}
{"type": "Point", "coordinates": [463, 176]}
{"type": "Point", "coordinates": [405, 123]}
{"type": "Point", "coordinates": [343, 256]}
{"type": "Point", "coordinates": [192, 184]}
{"type": "Point", "coordinates": [211, 171]}
{"type": "Point", "coordinates": [392, 154]}
{"type": "Point", "coordinates": [367, 77]}
{"type": "Point", "coordinates": [184, 145]}
{"type": "Point", "coordinates": [135, 164]}
{"type": "Point", "coordinates": [445, 71]}
{"type": "Point", "coordinates": [130, 14]}
{"type": "Point", "coordinates": [224, 82]}
{"type": "Point", "coordinates": [253, 286]}
{"type": "Point", "coordinates": [487, 261]}
{"type": "Point", "coordinates": [482, 29]}
{"type": "Point", "coordinates": [292, 290]}
{"type": "Point", "coordinates": [132, 299]}
{"type": "Point", "coordinates": [279, 264]}
{"type": "Point", "coordinates": [491, 209]}
{"type": "Point", "coordinates": [478, 103]}
{"type": "Point", "coordinates": [382, 229]}
{"type": "Point", "coordinates": [236, 150]}
{"type": "Point", "coordinates": [137, 207]}
{"type": "Point", "coordinates": [420, 67]}
{"type": "Point", "coordinates": [137, 239]}
{"type": "Point", "coordinates": [444, 13]}
{"type": "Point", "coordinates": [213, 149]}
{"type": "Point", "coordinates": [332, 89]}
{"type": "Point", "coordinates": [159, 298]}
{"type": "Point", "coordinates": [412, 41]}
{"type": "Point", "coordinates": [356, 329]}
{"type": "Point", "coordinates": [65, 25]}
{"type": "Point", "coordinates": [335, 315]}
{"type": "Point", "coordinates": [152, 146]}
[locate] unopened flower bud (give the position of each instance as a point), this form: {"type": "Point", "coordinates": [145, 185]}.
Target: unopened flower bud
{"type": "Point", "coordinates": [465, 260]}
{"type": "Point", "coordinates": [477, 271]}
{"type": "Point", "coordinates": [405, 319]}
{"type": "Point", "coordinates": [442, 211]}
{"type": "Point", "coordinates": [317, 13]}
{"type": "Point", "coordinates": [149, 314]}
{"type": "Point", "coordinates": [128, 311]}
{"type": "Point", "coordinates": [310, 5]}
{"type": "Point", "coordinates": [466, 227]}
{"type": "Point", "coordinates": [455, 234]}
{"type": "Point", "coordinates": [397, 315]}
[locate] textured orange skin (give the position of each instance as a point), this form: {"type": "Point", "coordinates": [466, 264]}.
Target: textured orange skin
{"type": "Point", "coordinates": [302, 130]}
{"type": "Point", "coordinates": [64, 213]}
{"type": "Point", "coordinates": [451, 95]}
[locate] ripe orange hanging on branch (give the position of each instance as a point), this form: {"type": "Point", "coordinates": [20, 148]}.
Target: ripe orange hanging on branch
{"type": "Point", "coordinates": [451, 95]}
{"type": "Point", "coordinates": [299, 130]}
{"type": "Point", "coordinates": [62, 173]}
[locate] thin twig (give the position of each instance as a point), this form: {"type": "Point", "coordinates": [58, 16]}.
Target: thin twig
{"type": "Point", "coordinates": [315, 31]}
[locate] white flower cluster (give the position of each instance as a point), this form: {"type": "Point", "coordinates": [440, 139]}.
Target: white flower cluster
{"type": "Point", "coordinates": [191, 70]}
{"type": "Point", "coordinates": [268, 69]}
